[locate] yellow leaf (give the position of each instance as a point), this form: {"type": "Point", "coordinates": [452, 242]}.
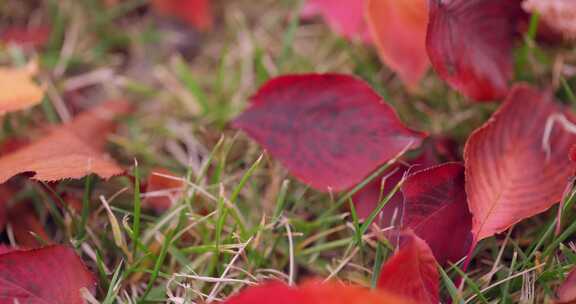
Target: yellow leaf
{"type": "Point", "coordinates": [18, 91]}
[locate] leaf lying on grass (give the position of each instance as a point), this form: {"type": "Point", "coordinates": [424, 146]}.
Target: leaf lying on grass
{"type": "Point", "coordinates": [313, 292]}
{"type": "Point", "coordinates": [436, 210]}
{"type": "Point", "coordinates": [470, 44]}
{"type": "Point", "coordinates": [161, 190]}
{"type": "Point", "coordinates": [72, 150]}
{"type": "Point", "coordinates": [509, 175]}
{"type": "Point", "coordinates": [329, 130]}
{"type": "Point", "coordinates": [30, 36]}
{"type": "Point", "coordinates": [412, 272]}
{"type": "Point", "coordinates": [345, 17]}
{"type": "Point", "coordinates": [17, 89]}
{"type": "Point", "coordinates": [399, 31]}
{"type": "Point", "coordinates": [50, 275]}
{"type": "Point", "coordinates": [197, 13]}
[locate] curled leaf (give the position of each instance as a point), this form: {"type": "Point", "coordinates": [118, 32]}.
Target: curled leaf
{"type": "Point", "coordinates": [18, 91]}
{"type": "Point", "coordinates": [470, 44]}
{"type": "Point", "coordinates": [53, 274]}
{"type": "Point", "coordinates": [412, 273]}
{"type": "Point", "coordinates": [513, 169]}
{"type": "Point", "coordinates": [399, 31]}
{"type": "Point", "coordinates": [329, 130]}
{"type": "Point", "coordinates": [313, 292]}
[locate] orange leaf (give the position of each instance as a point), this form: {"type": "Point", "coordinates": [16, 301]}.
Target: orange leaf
{"type": "Point", "coordinates": [510, 176]}
{"type": "Point", "coordinates": [17, 90]}
{"type": "Point", "coordinates": [313, 292]}
{"type": "Point", "coordinates": [399, 30]}
{"type": "Point", "coordinates": [162, 190]}
{"type": "Point", "coordinates": [65, 152]}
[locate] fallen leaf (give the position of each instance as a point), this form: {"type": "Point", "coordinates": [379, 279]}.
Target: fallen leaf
{"type": "Point", "coordinates": [24, 221]}
{"type": "Point", "coordinates": [32, 36]}
{"type": "Point", "coordinates": [411, 273]}
{"type": "Point", "coordinates": [162, 191]}
{"type": "Point", "coordinates": [329, 130]}
{"type": "Point", "coordinates": [345, 17]}
{"type": "Point", "coordinates": [470, 44]}
{"type": "Point", "coordinates": [434, 150]}
{"type": "Point", "coordinates": [509, 176]}
{"type": "Point", "coordinates": [559, 15]}
{"type": "Point", "coordinates": [566, 292]}
{"type": "Point", "coordinates": [50, 275]}
{"type": "Point", "coordinates": [398, 29]}
{"type": "Point", "coordinates": [17, 89]}
{"type": "Point", "coordinates": [313, 292]}
{"type": "Point", "coordinates": [68, 151]}
{"type": "Point", "coordinates": [5, 249]}
{"type": "Point", "coordinates": [369, 197]}
{"type": "Point", "coordinates": [197, 13]}
{"type": "Point", "coordinates": [435, 208]}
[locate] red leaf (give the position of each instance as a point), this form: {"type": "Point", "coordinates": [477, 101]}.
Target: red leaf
{"type": "Point", "coordinates": [313, 292]}
{"type": "Point", "coordinates": [345, 17]}
{"type": "Point", "coordinates": [399, 30]}
{"type": "Point", "coordinates": [34, 36]}
{"type": "Point", "coordinates": [509, 176]}
{"type": "Point", "coordinates": [24, 222]}
{"type": "Point", "coordinates": [566, 293]}
{"type": "Point", "coordinates": [412, 273]}
{"type": "Point", "coordinates": [161, 191]}
{"type": "Point", "coordinates": [70, 150]}
{"type": "Point", "coordinates": [197, 13]}
{"type": "Point", "coordinates": [330, 130]}
{"type": "Point", "coordinates": [51, 275]}
{"type": "Point", "coordinates": [436, 210]}
{"type": "Point", "coordinates": [572, 153]}
{"type": "Point", "coordinates": [5, 249]}
{"type": "Point", "coordinates": [470, 44]}
{"type": "Point", "coordinates": [434, 150]}
{"type": "Point", "coordinates": [368, 199]}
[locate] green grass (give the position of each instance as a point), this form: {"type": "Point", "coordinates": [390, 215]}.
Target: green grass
{"type": "Point", "coordinates": [231, 226]}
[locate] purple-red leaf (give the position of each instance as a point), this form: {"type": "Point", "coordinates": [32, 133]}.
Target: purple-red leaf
{"type": "Point", "coordinates": [412, 273]}
{"type": "Point", "coordinates": [470, 44]}
{"type": "Point", "coordinates": [329, 130]}
{"type": "Point", "coordinates": [566, 292]}
{"type": "Point", "coordinates": [514, 170]}
{"type": "Point", "coordinates": [50, 275]}
{"type": "Point", "coordinates": [435, 209]}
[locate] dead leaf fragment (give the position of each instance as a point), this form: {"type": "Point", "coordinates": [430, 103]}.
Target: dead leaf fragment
{"type": "Point", "coordinates": [18, 91]}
